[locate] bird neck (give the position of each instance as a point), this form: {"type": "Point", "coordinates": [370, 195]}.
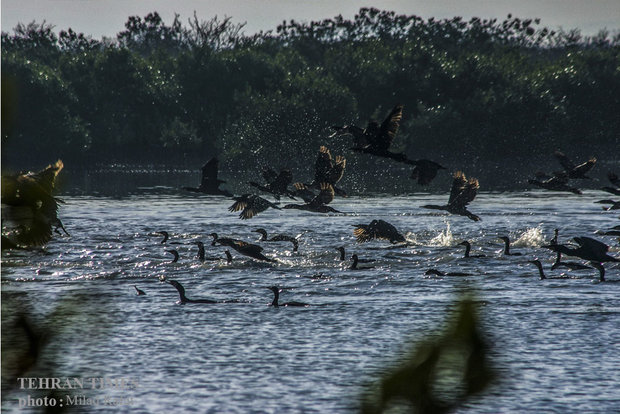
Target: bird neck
{"type": "Point", "coordinates": [181, 291]}
{"type": "Point", "coordinates": [276, 296]}
{"type": "Point", "coordinates": [601, 271]}
{"type": "Point", "coordinates": [507, 247]}
{"type": "Point", "coordinates": [558, 258]}
{"type": "Point", "coordinates": [467, 249]}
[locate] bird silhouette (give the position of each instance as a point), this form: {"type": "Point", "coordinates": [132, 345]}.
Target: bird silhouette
{"type": "Point", "coordinates": [377, 229]}
{"type": "Point", "coordinates": [250, 205]}
{"type": "Point", "coordinates": [277, 183]}
{"type": "Point", "coordinates": [30, 211]}
{"type": "Point", "coordinates": [572, 170]}
{"type": "Point", "coordinates": [209, 183]}
{"type": "Point", "coordinates": [463, 191]}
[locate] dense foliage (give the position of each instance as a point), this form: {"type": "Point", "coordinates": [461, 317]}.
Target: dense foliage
{"type": "Point", "coordinates": [486, 96]}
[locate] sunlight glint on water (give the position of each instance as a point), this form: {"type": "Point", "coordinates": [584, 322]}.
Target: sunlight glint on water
{"type": "Point", "coordinates": [553, 341]}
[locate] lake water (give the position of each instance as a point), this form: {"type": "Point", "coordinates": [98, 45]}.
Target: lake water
{"type": "Point", "coordinates": [554, 343]}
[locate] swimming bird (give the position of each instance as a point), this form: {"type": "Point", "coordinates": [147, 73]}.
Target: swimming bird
{"type": "Point", "coordinates": [328, 170]}
{"type": "Point", "coordinates": [507, 247]}
{"type": "Point", "coordinates": [572, 170]}
{"type": "Point", "coordinates": [30, 211]}
{"type": "Point", "coordinates": [613, 178]}
{"type": "Point", "coordinates": [467, 250]}
{"type": "Point", "coordinates": [440, 273]}
{"type": "Point", "coordinates": [354, 265]}
{"type": "Point", "coordinates": [588, 249]}
{"type": "Point", "coordinates": [165, 234]}
{"type": "Point", "coordinates": [342, 255]}
{"type": "Point", "coordinates": [463, 191]}
{"type": "Point", "coordinates": [278, 237]}
{"type": "Point", "coordinates": [376, 139]}
{"type": "Point", "coordinates": [276, 297]}
{"type": "Point", "coordinates": [319, 203]}
{"type": "Point", "coordinates": [246, 249]}
{"type": "Point", "coordinates": [139, 292]}
{"type": "Point", "coordinates": [201, 252]}
{"type": "Point", "coordinates": [250, 205]}
{"type": "Point", "coordinates": [184, 299]}
{"type": "Point", "coordinates": [210, 183]}
{"type": "Point", "coordinates": [554, 240]}
{"type": "Point", "coordinates": [541, 271]}
{"type": "Point", "coordinates": [425, 171]}
{"type": "Point", "coordinates": [175, 254]}
{"type": "Point", "coordinates": [377, 229]}
{"type": "Point", "coordinates": [277, 183]}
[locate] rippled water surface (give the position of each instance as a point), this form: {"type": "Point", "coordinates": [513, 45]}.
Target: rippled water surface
{"type": "Point", "coordinates": [555, 343]}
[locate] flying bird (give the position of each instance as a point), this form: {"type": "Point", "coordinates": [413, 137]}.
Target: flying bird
{"type": "Point", "coordinates": [572, 170]}
{"type": "Point", "coordinates": [554, 183]}
{"type": "Point", "coordinates": [463, 192]}
{"type": "Point", "coordinates": [319, 203]}
{"type": "Point", "coordinates": [376, 138]}
{"type": "Point", "coordinates": [210, 184]}
{"type": "Point", "coordinates": [277, 183]}
{"type": "Point", "coordinates": [250, 205]}
{"type": "Point", "coordinates": [29, 209]}
{"type": "Point", "coordinates": [377, 229]}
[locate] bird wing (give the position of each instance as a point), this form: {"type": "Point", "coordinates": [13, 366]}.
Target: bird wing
{"type": "Point", "coordinates": [458, 184]}
{"type": "Point", "coordinates": [244, 247]}
{"type": "Point", "coordinates": [337, 170]}
{"type": "Point", "coordinates": [255, 205]}
{"type": "Point", "coordinates": [592, 245]}
{"type": "Point", "coordinates": [325, 196]}
{"type": "Point", "coordinates": [362, 233]}
{"type": "Point", "coordinates": [302, 191]}
{"type": "Point", "coordinates": [466, 195]}
{"type": "Point", "coordinates": [323, 165]}
{"type": "Point", "coordinates": [564, 161]}
{"type": "Point", "coordinates": [240, 204]}
{"type": "Point", "coordinates": [46, 178]}
{"type": "Point", "coordinates": [282, 181]}
{"type": "Point", "coordinates": [559, 179]}
{"type": "Point", "coordinates": [269, 174]}
{"type": "Point", "coordinates": [385, 230]}
{"type": "Point", "coordinates": [209, 171]}
{"type": "Point", "coordinates": [390, 125]}
{"type": "Point", "coordinates": [424, 171]}
{"type": "Point", "coordinates": [585, 167]}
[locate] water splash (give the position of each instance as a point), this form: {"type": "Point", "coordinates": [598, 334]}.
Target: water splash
{"type": "Point", "coordinates": [444, 238]}
{"type": "Point", "coordinates": [411, 238]}
{"type": "Point", "coordinates": [532, 237]}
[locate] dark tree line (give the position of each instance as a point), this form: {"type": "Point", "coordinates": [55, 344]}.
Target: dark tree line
{"type": "Point", "coordinates": [491, 97]}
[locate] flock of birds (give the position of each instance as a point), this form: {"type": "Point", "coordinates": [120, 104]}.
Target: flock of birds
{"type": "Point", "coordinates": [376, 139]}
{"type": "Point", "coordinates": [29, 202]}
